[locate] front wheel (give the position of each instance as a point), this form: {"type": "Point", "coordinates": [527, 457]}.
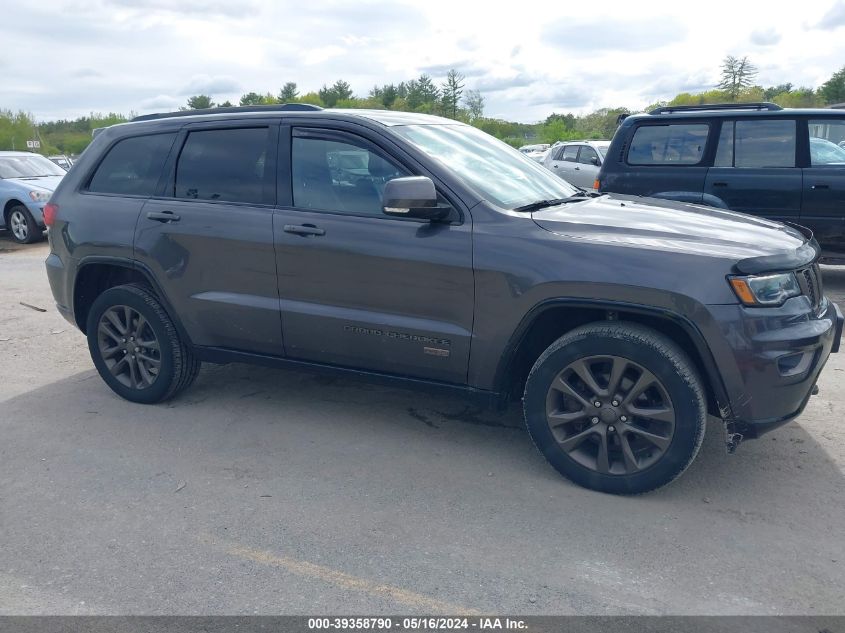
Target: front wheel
{"type": "Point", "coordinates": [616, 407]}
{"type": "Point", "coordinates": [136, 348]}
{"type": "Point", "coordinates": [22, 225]}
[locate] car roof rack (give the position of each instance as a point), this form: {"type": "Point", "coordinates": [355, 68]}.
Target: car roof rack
{"type": "Point", "coordinates": [762, 105]}
{"type": "Point", "coordinates": [275, 107]}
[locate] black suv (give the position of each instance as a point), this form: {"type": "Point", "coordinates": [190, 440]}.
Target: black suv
{"type": "Point", "coordinates": [418, 249]}
{"type": "Point", "coordinates": [781, 164]}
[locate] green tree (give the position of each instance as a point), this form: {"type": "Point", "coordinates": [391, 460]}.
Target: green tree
{"type": "Point", "coordinates": [225, 104]}
{"type": "Point", "coordinates": [474, 103]}
{"type": "Point", "coordinates": [200, 102]}
{"type": "Point", "coordinates": [833, 90]}
{"type": "Point", "coordinates": [737, 74]}
{"type": "Point", "coordinates": [450, 93]}
{"type": "Point", "coordinates": [251, 98]}
{"type": "Point", "coordinates": [288, 92]}
{"type": "Point", "coordinates": [770, 92]}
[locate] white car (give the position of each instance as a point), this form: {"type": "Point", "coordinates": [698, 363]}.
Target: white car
{"type": "Point", "coordinates": [535, 152]}
{"type": "Point", "coordinates": [577, 162]}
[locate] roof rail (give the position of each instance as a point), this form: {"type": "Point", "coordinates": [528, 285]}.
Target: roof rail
{"type": "Point", "coordinates": [276, 107]}
{"type": "Point", "coordinates": [762, 105]}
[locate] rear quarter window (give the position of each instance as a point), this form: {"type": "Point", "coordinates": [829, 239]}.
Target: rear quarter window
{"type": "Point", "coordinates": [132, 166]}
{"type": "Point", "coordinates": [671, 144]}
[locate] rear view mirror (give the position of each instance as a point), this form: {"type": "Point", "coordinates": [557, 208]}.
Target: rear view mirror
{"type": "Point", "coordinates": [412, 197]}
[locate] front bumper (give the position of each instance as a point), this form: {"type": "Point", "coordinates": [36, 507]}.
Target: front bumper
{"type": "Point", "coordinates": [777, 356]}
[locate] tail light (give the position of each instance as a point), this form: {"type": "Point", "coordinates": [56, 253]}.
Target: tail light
{"type": "Point", "coordinates": [50, 211]}
{"type": "Point", "coordinates": [596, 184]}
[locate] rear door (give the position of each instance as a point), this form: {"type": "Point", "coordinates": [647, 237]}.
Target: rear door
{"type": "Point", "coordinates": [358, 288]}
{"type": "Point", "coordinates": [208, 236]}
{"type": "Point", "coordinates": [755, 169]}
{"type": "Point", "coordinates": [823, 203]}
{"type": "Point", "coordinates": [564, 161]}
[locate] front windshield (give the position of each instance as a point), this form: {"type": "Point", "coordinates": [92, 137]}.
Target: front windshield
{"type": "Point", "coordinates": [30, 166]}
{"type": "Point", "coordinates": [603, 149]}
{"type": "Point", "coordinates": [498, 172]}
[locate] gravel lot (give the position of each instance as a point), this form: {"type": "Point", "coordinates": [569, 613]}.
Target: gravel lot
{"type": "Point", "coordinates": [269, 491]}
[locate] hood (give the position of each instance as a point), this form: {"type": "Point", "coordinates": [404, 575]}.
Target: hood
{"type": "Point", "coordinates": [680, 227]}
{"type": "Point", "coordinates": [38, 182]}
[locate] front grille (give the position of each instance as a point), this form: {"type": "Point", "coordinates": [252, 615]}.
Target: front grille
{"type": "Point", "coordinates": [811, 284]}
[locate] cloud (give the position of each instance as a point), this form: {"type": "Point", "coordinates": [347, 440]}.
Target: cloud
{"type": "Point", "coordinates": [464, 67]}
{"type": "Point", "coordinates": [86, 73]}
{"type": "Point", "coordinates": [210, 85]}
{"type": "Point", "coordinates": [239, 9]}
{"type": "Point", "coordinates": [765, 37]}
{"type": "Point", "coordinates": [495, 84]}
{"type": "Point", "coordinates": [588, 37]}
{"type": "Point", "coordinates": [834, 18]}
{"type": "Point", "coordinates": [560, 97]}
{"type": "Point", "coordinates": [160, 102]}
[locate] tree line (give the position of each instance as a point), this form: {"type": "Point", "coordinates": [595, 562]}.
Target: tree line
{"type": "Point", "coordinates": [450, 99]}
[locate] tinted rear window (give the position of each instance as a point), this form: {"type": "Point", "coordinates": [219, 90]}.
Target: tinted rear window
{"type": "Point", "coordinates": [675, 144]}
{"type": "Point", "coordinates": [132, 166]}
{"type": "Point", "coordinates": [764, 144]}
{"type": "Point", "coordinates": [227, 165]}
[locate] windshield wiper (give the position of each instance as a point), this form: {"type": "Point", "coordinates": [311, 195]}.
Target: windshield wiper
{"type": "Point", "coordinates": [541, 204]}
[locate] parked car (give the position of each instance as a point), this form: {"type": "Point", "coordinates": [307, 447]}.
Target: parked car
{"type": "Point", "coordinates": [418, 250]}
{"type": "Point", "coordinates": [26, 182]}
{"type": "Point", "coordinates": [758, 158]}
{"type": "Point", "coordinates": [62, 161]}
{"type": "Point", "coordinates": [577, 162]}
{"type": "Point", "coordinates": [535, 152]}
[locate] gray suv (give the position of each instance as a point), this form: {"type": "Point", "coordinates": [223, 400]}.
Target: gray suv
{"type": "Point", "coordinates": [418, 250]}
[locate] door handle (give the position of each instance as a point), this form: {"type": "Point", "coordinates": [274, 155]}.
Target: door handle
{"type": "Point", "coordinates": [577, 168]}
{"type": "Point", "coordinates": [720, 184]}
{"type": "Point", "coordinates": [820, 186]}
{"type": "Point", "coordinates": [304, 229]}
{"type": "Point", "coordinates": [163, 216]}
{"type": "Point", "coordinates": [555, 166]}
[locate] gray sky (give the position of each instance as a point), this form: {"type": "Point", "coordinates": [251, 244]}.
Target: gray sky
{"type": "Point", "coordinates": [66, 58]}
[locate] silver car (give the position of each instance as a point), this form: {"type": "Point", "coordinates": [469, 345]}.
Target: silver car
{"type": "Point", "coordinates": [577, 162]}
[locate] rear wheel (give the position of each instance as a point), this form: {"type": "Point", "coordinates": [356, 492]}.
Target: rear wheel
{"type": "Point", "coordinates": [616, 407]}
{"type": "Point", "coordinates": [136, 347]}
{"type": "Point", "coordinates": [22, 225]}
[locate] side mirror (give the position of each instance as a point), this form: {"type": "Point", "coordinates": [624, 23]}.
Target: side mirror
{"type": "Point", "coordinates": [412, 197]}
{"type": "Point", "coordinates": [595, 161]}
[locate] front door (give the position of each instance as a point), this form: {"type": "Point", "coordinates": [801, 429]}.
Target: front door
{"type": "Point", "coordinates": [208, 237]}
{"type": "Point", "coordinates": [358, 288]}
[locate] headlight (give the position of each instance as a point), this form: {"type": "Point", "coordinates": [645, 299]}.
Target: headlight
{"type": "Point", "coordinates": [765, 290]}
{"type": "Point", "coordinates": [39, 196]}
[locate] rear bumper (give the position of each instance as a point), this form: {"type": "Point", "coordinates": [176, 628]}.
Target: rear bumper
{"type": "Point", "coordinates": [778, 355]}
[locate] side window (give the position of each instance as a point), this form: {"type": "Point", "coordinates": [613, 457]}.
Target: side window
{"type": "Point", "coordinates": [333, 175]}
{"type": "Point", "coordinates": [226, 165]}
{"type": "Point", "coordinates": [764, 143]}
{"type": "Point", "coordinates": [570, 153]}
{"type": "Point", "coordinates": [132, 166]}
{"type": "Point", "coordinates": [588, 156]}
{"type": "Point", "coordinates": [827, 142]}
{"type": "Point", "coordinates": [673, 144]}
{"type": "Point", "coordinates": [725, 149]}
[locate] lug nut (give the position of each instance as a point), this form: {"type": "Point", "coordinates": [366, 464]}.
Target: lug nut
{"type": "Point", "coordinates": [597, 403]}
{"type": "Point", "coordinates": [137, 349]}
{"type": "Point", "coordinates": [611, 429]}
{"type": "Point", "coordinates": [615, 403]}
{"type": "Point", "coordinates": [595, 420]}
{"type": "Point", "coordinates": [624, 418]}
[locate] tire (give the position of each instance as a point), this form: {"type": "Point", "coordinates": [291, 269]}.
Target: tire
{"type": "Point", "coordinates": [644, 434]}
{"type": "Point", "coordinates": [152, 368]}
{"type": "Point", "coordinates": [22, 225]}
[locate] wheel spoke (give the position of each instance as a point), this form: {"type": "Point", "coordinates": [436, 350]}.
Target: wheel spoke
{"type": "Point", "coordinates": [582, 369]}
{"type": "Point", "coordinates": [662, 414]}
{"type": "Point", "coordinates": [145, 374]}
{"type": "Point", "coordinates": [560, 418]}
{"type": "Point", "coordinates": [151, 344]}
{"type": "Point", "coordinates": [602, 458]}
{"type": "Point", "coordinates": [571, 443]}
{"type": "Point", "coordinates": [659, 441]}
{"type": "Point", "coordinates": [133, 373]}
{"type": "Point", "coordinates": [108, 330]}
{"type": "Point", "coordinates": [616, 372]}
{"type": "Point", "coordinates": [631, 464]}
{"type": "Point", "coordinates": [156, 362]}
{"type": "Point", "coordinates": [109, 352]}
{"type": "Point", "coordinates": [645, 380]}
{"type": "Point", "coordinates": [116, 368]}
{"type": "Point", "coordinates": [127, 318]}
{"type": "Point", "coordinates": [139, 326]}
{"type": "Point", "coordinates": [111, 315]}
{"type": "Point", "coordinates": [566, 388]}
